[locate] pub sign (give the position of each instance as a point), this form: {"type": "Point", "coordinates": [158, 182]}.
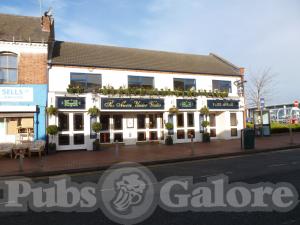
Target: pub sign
{"type": "Point", "coordinates": [132, 103]}
{"type": "Point", "coordinates": [222, 104]}
{"type": "Point", "coordinates": [186, 103]}
{"type": "Point", "coordinates": [70, 102]}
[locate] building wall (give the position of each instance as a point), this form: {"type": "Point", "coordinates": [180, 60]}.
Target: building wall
{"type": "Point", "coordinates": [32, 80]}
{"type": "Point", "coordinates": [118, 78]}
{"type": "Point", "coordinates": [59, 79]}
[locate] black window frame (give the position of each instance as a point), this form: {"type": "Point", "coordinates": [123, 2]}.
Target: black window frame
{"type": "Point", "coordinates": [222, 85]}
{"type": "Point", "coordinates": [7, 67]}
{"type": "Point", "coordinates": [186, 86]}
{"type": "Point", "coordinates": [139, 82]}
{"type": "Point", "coordinates": [85, 81]}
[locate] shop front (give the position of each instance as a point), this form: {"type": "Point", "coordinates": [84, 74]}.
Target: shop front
{"type": "Point", "coordinates": [22, 112]}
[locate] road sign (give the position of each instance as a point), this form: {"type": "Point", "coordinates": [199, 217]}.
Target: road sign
{"type": "Point", "coordinates": [296, 103]}
{"type": "Point", "coordinates": [262, 103]}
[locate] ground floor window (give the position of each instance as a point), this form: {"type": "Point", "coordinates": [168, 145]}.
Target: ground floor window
{"type": "Point", "coordinates": [78, 139]}
{"type": "Point", "coordinates": [63, 139]}
{"type": "Point", "coordinates": [180, 134]}
{"type": "Point", "coordinates": [180, 120]}
{"type": "Point", "coordinates": [141, 136]}
{"type": "Point", "coordinates": [118, 122]}
{"type": "Point", "coordinates": [234, 132]}
{"type": "Point", "coordinates": [153, 135]}
{"type": "Point", "coordinates": [213, 132]}
{"type": "Point", "coordinates": [190, 119]}
{"type": "Point", "coordinates": [191, 133]}
{"type": "Point", "coordinates": [118, 137]}
{"type": "Point", "coordinates": [141, 121]}
{"type": "Point", "coordinates": [104, 137]}
{"type": "Point", "coordinates": [104, 120]}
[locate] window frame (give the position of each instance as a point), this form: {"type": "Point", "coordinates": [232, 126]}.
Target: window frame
{"type": "Point", "coordinates": [219, 88]}
{"type": "Point", "coordinates": [140, 81]}
{"type": "Point", "coordinates": [184, 83]}
{"type": "Point", "coordinates": [7, 67]}
{"type": "Point", "coordinates": [86, 80]}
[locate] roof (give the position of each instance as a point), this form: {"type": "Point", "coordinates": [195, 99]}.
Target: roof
{"type": "Point", "coordinates": [89, 55]}
{"type": "Point", "coordinates": [22, 29]}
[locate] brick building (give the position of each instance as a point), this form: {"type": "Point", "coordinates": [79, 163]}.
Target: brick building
{"type": "Point", "coordinates": [24, 47]}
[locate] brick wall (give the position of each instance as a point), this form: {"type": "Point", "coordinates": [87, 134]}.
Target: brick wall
{"type": "Point", "coordinates": [32, 69]}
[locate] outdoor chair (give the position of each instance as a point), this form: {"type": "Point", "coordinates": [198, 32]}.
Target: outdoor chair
{"type": "Point", "coordinates": [6, 148]}
{"type": "Point", "coordinates": [37, 147]}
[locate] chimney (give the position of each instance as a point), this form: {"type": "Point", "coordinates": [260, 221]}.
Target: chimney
{"type": "Point", "coordinates": [242, 71]}
{"type": "Point", "coordinates": [47, 22]}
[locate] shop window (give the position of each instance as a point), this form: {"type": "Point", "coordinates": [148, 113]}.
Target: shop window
{"type": "Point", "coordinates": [180, 134]}
{"type": "Point", "coordinates": [222, 85]}
{"type": "Point", "coordinates": [152, 121]}
{"type": "Point", "coordinates": [153, 135]}
{"type": "Point", "coordinates": [78, 139]}
{"type": "Point", "coordinates": [141, 136]}
{"type": "Point", "coordinates": [184, 84]}
{"type": "Point", "coordinates": [180, 120]}
{"type": "Point", "coordinates": [89, 81]}
{"type": "Point", "coordinates": [191, 133]}
{"type": "Point", "coordinates": [141, 124]}
{"type": "Point", "coordinates": [63, 121]}
{"type": "Point", "coordinates": [170, 118]}
{"type": "Point", "coordinates": [104, 120]}
{"type": "Point", "coordinates": [8, 68]}
{"type": "Point", "coordinates": [78, 122]}
{"type": "Point", "coordinates": [118, 137]}
{"type": "Point", "coordinates": [118, 122]}
{"type": "Point", "coordinates": [213, 132]}
{"type": "Point", "coordinates": [234, 132]}
{"type": "Point", "coordinates": [233, 119]}
{"type": "Point", "coordinates": [190, 119]}
{"type": "Point", "coordinates": [104, 137]}
{"type": "Point", "coordinates": [19, 125]}
{"type": "Point", "coordinates": [63, 139]}
{"type": "Point", "coordinates": [212, 120]}
{"type": "Point", "coordinates": [140, 82]}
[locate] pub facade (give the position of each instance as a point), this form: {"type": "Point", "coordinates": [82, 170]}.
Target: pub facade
{"type": "Point", "coordinates": [137, 92]}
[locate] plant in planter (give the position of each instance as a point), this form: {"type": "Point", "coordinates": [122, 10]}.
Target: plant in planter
{"type": "Point", "coordinates": [206, 136]}
{"type": "Point", "coordinates": [169, 139]}
{"type": "Point", "coordinates": [52, 130]}
{"type": "Point", "coordinates": [51, 111]}
{"type": "Point", "coordinates": [169, 127]}
{"type": "Point", "coordinates": [94, 111]}
{"type": "Point", "coordinates": [72, 89]}
{"type": "Point", "coordinates": [96, 127]}
{"type": "Point", "coordinates": [173, 110]}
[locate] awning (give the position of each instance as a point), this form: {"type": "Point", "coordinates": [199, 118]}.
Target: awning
{"type": "Point", "coordinates": [16, 115]}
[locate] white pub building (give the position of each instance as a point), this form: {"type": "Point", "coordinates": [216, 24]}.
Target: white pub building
{"type": "Point", "coordinates": [135, 89]}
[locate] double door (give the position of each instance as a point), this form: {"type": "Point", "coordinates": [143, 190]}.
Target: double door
{"type": "Point", "coordinates": [71, 130]}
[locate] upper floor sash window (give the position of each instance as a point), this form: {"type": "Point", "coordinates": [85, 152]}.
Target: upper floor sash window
{"type": "Point", "coordinates": [8, 68]}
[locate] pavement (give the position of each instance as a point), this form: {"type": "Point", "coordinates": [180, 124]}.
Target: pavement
{"type": "Point", "coordinates": [83, 161]}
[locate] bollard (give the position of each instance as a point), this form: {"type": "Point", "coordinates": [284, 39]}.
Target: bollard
{"type": "Point", "coordinates": [192, 145]}
{"type": "Point", "coordinates": [117, 149]}
{"type": "Point", "coordinates": [21, 161]}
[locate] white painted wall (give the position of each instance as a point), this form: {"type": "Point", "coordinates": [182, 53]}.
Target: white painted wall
{"type": "Point", "coordinates": [59, 78]}
{"type": "Point", "coordinates": [23, 47]}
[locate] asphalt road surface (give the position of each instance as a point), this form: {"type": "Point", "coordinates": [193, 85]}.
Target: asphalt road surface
{"type": "Point", "coordinates": [282, 166]}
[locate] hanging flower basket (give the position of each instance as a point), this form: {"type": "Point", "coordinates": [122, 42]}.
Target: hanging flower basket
{"type": "Point", "coordinates": [94, 111]}
{"type": "Point", "coordinates": [173, 110]}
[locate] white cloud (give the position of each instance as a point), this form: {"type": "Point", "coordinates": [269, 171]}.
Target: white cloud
{"type": "Point", "coordinates": [10, 10]}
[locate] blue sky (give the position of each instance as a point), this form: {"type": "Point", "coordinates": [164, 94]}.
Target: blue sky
{"type": "Point", "coordinates": [255, 34]}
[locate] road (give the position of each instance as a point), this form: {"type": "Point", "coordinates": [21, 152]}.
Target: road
{"type": "Point", "coordinates": [282, 166]}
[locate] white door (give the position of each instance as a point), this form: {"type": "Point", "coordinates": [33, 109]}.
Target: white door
{"type": "Point", "coordinates": [72, 133]}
